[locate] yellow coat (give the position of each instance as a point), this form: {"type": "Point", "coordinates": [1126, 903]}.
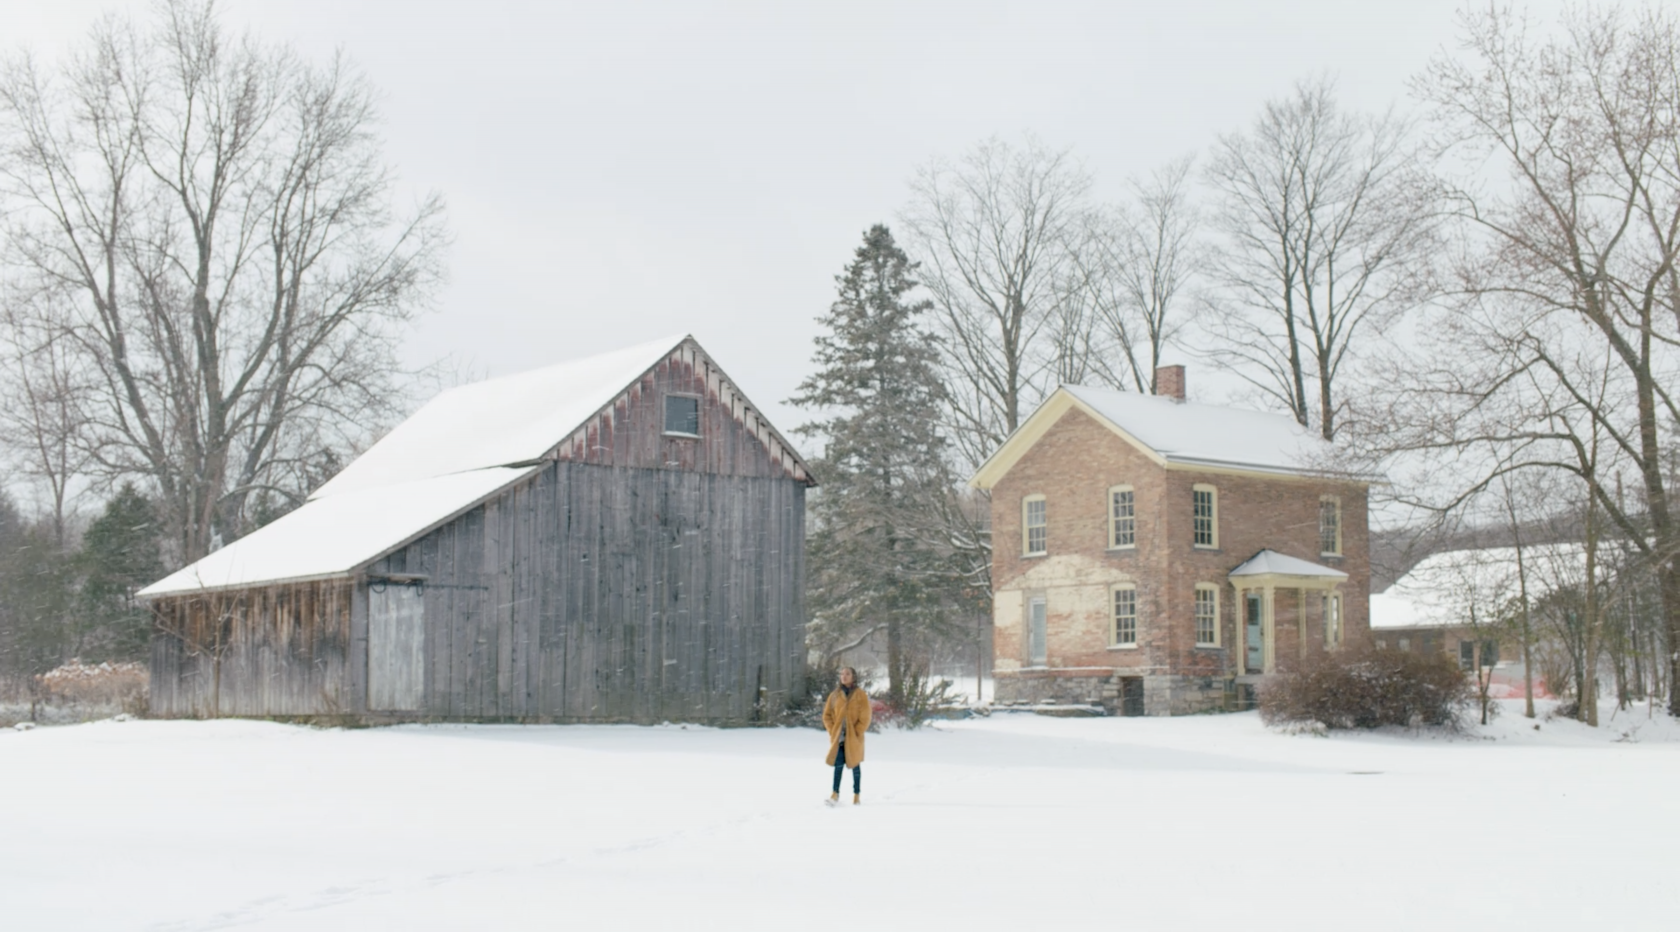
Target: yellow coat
{"type": "Point", "coordinates": [853, 710]}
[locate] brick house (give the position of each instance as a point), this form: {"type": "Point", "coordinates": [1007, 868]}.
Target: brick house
{"type": "Point", "coordinates": [1159, 557]}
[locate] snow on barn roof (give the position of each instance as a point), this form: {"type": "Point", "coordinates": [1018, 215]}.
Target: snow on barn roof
{"type": "Point", "coordinates": [497, 422]}
{"type": "Point", "coordinates": [1177, 433]}
{"type": "Point", "coordinates": [458, 449]}
{"type": "Point", "coordinates": [1443, 587]}
{"type": "Point", "coordinates": [332, 536]}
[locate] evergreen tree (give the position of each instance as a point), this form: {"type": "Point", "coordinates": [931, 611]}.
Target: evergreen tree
{"type": "Point", "coordinates": [36, 582]}
{"type": "Point", "coordinates": [120, 555]}
{"type": "Point", "coordinates": [876, 557]}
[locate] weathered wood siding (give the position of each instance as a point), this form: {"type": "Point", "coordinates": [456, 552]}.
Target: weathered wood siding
{"type": "Point", "coordinates": [275, 650]}
{"type": "Point", "coordinates": [735, 439]}
{"type": "Point", "coordinates": [641, 576]}
{"type": "Point", "coordinates": [596, 593]}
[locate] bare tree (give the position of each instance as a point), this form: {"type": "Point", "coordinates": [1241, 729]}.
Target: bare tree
{"type": "Point", "coordinates": [1141, 256]}
{"type": "Point", "coordinates": [207, 222]}
{"type": "Point", "coordinates": [1325, 236]}
{"type": "Point", "coordinates": [996, 234]}
{"type": "Point", "coordinates": [40, 427]}
{"type": "Point", "coordinates": [1580, 242]}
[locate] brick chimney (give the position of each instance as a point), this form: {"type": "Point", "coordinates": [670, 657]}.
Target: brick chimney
{"type": "Point", "coordinates": [1169, 382]}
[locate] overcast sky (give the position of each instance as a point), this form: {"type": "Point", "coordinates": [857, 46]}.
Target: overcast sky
{"type": "Point", "coordinates": [619, 171]}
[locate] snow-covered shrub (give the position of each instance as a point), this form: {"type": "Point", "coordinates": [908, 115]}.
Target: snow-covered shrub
{"type": "Point", "coordinates": [1368, 687]}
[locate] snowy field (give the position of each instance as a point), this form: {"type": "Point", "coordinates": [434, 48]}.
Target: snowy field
{"type": "Point", "coordinates": [1015, 821]}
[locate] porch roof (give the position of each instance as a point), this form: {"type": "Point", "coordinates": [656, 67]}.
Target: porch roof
{"type": "Point", "coordinates": [1271, 563]}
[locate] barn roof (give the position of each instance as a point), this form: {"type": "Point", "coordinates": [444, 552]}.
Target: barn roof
{"type": "Point", "coordinates": [1178, 434]}
{"type": "Point", "coordinates": [334, 535]}
{"type": "Point", "coordinates": [463, 446]}
{"type": "Point", "coordinates": [513, 419]}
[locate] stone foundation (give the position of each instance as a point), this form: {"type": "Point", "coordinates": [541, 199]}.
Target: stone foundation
{"type": "Point", "coordinates": [1160, 695]}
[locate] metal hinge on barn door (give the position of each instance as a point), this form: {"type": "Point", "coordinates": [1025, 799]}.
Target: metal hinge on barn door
{"type": "Point", "coordinates": [396, 646]}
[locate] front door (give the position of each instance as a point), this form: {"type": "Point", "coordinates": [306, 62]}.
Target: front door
{"type": "Point", "coordinates": [1254, 635]}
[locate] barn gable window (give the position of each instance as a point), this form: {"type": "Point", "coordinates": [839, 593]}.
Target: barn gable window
{"type": "Point", "coordinates": [682, 415]}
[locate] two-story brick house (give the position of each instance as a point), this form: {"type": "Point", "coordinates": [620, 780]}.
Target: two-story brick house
{"type": "Point", "coordinates": [1158, 557]}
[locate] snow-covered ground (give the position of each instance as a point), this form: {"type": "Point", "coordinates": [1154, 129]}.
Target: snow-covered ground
{"type": "Point", "coordinates": [1016, 821]}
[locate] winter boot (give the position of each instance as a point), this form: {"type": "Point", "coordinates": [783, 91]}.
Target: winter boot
{"type": "Point", "coordinates": [832, 800]}
{"type": "Point", "coordinates": [856, 800]}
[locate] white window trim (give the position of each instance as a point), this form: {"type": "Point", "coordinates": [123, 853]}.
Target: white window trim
{"type": "Point", "coordinates": [1195, 622]}
{"type": "Point", "coordinates": [1137, 618]}
{"type": "Point", "coordinates": [1109, 510]}
{"type": "Point", "coordinates": [1214, 490]}
{"type": "Point", "coordinates": [1337, 501]}
{"type": "Point", "coordinates": [1026, 530]}
{"type": "Point", "coordinates": [1333, 609]}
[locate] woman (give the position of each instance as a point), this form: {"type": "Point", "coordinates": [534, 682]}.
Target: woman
{"type": "Point", "coordinates": [846, 716]}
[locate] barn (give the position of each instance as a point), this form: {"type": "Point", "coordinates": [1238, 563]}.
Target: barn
{"type": "Point", "coordinates": [613, 539]}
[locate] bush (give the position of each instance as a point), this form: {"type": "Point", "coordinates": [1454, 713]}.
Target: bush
{"type": "Point", "coordinates": [1368, 688]}
{"type": "Point", "coordinates": [98, 686]}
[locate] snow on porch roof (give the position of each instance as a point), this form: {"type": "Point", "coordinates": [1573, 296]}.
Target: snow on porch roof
{"type": "Point", "coordinates": [334, 535]}
{"type": "Point", "coordinates": [498, 422]}
{"type": "Point", "coordinates": [1270, 562]}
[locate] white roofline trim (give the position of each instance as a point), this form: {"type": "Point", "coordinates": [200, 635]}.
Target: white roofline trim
{"type": "Point", "coordinates": [1036, 426]}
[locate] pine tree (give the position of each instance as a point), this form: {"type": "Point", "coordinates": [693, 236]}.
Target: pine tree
{"type": "Point", "coordinates": [120, 555]}
{"type": "Point", "coordinates": [36, 584]}
{"type": "Point", "coordinates": [876, 559]}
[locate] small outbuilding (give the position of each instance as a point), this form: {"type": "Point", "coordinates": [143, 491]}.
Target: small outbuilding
{"type": "Point", "coordinates": [618, 538]}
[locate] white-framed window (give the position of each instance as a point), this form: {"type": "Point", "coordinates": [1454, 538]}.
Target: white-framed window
{"type": "Point", "coordinates": [1207, 615]}
{"type": "Point", "coordinates": [1125, 628]}
{"type": "Point", "coordinates": [1330, 526]}
{"type": "Point", "coordinates": [1034, 529]}
{"type": "Point", "coordinates": [1122, 517]}
{"type": "Point", "coordinates": [1204, 501]}
{"type": "Point", "coordinates": [1332, 620]}
{"type": "Point", "coordinates": [682, 415]}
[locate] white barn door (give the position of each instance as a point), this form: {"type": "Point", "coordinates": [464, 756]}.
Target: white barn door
{"type": "Point", "coordinates": [396, 647]}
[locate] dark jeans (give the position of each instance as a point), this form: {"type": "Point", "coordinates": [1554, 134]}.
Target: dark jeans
{"type": "Point", "coordinates": [840, 764]}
